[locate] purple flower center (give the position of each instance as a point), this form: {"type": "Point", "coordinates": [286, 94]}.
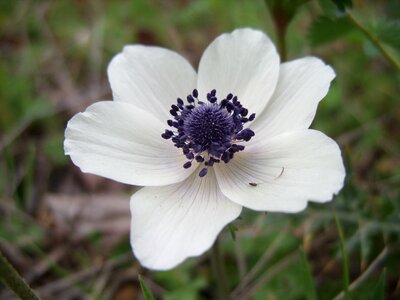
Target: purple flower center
{"type": "Point", "coordinates": [208, 132]}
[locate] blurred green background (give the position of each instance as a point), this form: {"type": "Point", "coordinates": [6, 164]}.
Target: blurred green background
{"type": "Point", "coordinates": [67, 232]}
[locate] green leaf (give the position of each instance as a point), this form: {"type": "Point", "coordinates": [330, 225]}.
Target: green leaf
{"type": "Point", "coordinates": [379, 291]}
{"type": "Point", "coordinates": [389, 33]}
{"type": "Point", "coordinates": [329, 8]}
{"type": "Point", "coordinates": [54, 150]}
{"type": "Point", "coordinates": [334, 8]}
{"type": "Point", "coordinates": [324, 30]}
{"type": "Point", "coordinates": [345, 258]}
{"type": "Point", "coordinates": [232, 230]}
{"type": "Point", "coordinates": [307, 275]}
{"type": "Point", "coordinates": [342, 4]}
{"type": "Point", "coordinates": [147, 294]}
{"type": "Point", "coordinates": [188, 291]}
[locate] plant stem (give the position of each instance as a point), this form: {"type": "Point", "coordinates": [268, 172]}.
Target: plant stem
{"type": "Point", "coordinates": [368, 272]}
{"type": "Point", "coordinates": [281, 40]}
{"type": "Point", "coordinates": [374, 40]}
{"type": "Point", "coordinates": [281, 18]}
{"type": "Point", "coordinates": [14, 281]}
{"type": "Point", "coordinates": [218, 267]}
{"type": "Point", "coordinates": [346, 276]}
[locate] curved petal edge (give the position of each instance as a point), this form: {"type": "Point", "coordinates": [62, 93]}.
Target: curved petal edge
{"type": "Point", "coordinates": [122, 142]}
{"type": "Point", "coordinates": [284, 173]}
{"type": "Point", "coordinates": [175, 222]}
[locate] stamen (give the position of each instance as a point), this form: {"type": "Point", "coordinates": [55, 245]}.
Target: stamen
{"type": "Point", "coordinates": [203, 172]}
{"type": "Point", "coordinates": [187, 165]}
{"type": "Point", "coordinates": [190, 98]}
{"type": "Point", "coordinates": [207, 132]}
{"type": "Point", "coordinates": [180, 102]}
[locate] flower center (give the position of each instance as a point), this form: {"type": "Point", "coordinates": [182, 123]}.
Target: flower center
{"type": "Point", "coordinates": [208, 124]}
{"type": "Point", "coordinates": [208, 132]}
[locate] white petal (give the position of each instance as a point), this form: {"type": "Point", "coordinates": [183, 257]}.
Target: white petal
{"type": "Point", "coordinates": [121, 142]}
{"type": "Point", "coordinates": [244, 63]}
{"type": "Point", "coordinates": [151, 78]}
{"type": "Point", "coordinates": [172, 223]}
{"type": "Point", "coordinates": [289, 170]}
{"type": "Point", "coordinates": [302, 84]}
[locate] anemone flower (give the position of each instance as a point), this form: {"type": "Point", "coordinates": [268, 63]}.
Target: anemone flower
{"type": "Point", "coordinates": [236, 134]}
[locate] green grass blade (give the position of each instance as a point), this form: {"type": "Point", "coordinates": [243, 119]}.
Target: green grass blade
{"type": "Point", "coordinates": [309, 280]}
{"type": "Point", "coordinates": [232, 230]}
{"type": "Point", "coordinates": [379, 291]}
{"type": "Point", "coordinates": [346, 279]}
{"type": "Point", "coordinates": [10, 277]}
{"type": "Point", "coordinates": [147, 294]}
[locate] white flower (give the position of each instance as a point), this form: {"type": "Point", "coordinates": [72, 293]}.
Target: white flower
{"type": "Point", "coordinates": [181, 210]}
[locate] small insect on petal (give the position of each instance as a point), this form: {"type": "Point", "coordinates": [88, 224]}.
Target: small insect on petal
{"type": "Point", "coordinates": [280, 174]}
